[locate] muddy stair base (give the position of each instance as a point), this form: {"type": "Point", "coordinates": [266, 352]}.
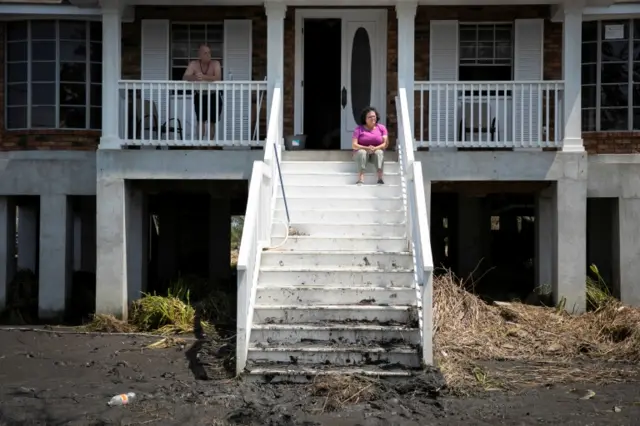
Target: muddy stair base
{"type": "Point", "coordinates": [338, 295]}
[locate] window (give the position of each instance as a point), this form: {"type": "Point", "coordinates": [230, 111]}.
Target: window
{"type": "Point", "coordinates": [486, 52]}
{"type": "Point", "coordinates": [54, 74]}
{"type": "Point", "coordinates": [187, 38]}
{"type": "Point", "coordinates": [611, 75]}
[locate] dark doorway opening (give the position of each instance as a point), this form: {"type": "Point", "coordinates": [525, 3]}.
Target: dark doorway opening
{"type": "Point", "coordinates": [322, 83]}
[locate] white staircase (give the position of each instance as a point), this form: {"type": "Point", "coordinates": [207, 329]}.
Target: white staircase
{"type": "Point", "coordinates": [339, 295]}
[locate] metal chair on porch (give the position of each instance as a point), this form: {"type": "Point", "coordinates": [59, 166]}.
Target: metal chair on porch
{"type": "Point", "coordinates": [478, 120]}
{"type": "Point", "coordinates": [147, 121]}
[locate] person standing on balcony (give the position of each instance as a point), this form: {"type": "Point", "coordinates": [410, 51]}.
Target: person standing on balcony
{"type": "Point", "coordinates": [205, 70]}
{"type": "Point", "coordinates": [369, 141]}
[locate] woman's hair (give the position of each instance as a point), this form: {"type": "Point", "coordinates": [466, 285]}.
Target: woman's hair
{"type": "Point", "coordinates": [365, 112]}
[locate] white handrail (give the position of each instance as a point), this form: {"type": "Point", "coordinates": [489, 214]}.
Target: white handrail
{"type": "Point", "coordinates": [257, 227]}
{"type": "Point", "coordinates": [417, 223]}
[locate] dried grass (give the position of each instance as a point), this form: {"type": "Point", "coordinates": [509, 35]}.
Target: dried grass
{"type": "Point", "coordinates": [468, 333]}
{"type": "Point", "coordinates": [108, 324]}
{"type": "Point", "coordinates": [340, 391]}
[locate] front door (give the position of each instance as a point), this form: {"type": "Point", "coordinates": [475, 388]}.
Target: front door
{"type": "Point", "coordinates": [359, 69]}
{"type": "Point", "coordinates": [362, 82]}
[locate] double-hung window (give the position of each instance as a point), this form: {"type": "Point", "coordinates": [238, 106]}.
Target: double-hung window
{"type": "Point", "coordinates": [486, 52]}
{"type": "Point", "coordinates": [53, 74]}
{"type": "Point", "coordinates": [186, 39]}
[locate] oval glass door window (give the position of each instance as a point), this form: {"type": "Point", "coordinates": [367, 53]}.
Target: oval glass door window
{"type": "Point", "coordinates": [361, 71]}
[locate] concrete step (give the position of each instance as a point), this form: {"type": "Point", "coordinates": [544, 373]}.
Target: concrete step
{"type": "Point", "coordinates": [296, 313]}
{"type": "Point", "coordinates": [311, 202]}
{"type": "Point", "coordinates": [329, 155]}
{"type": "Point", "coordinates": [307, 374]}
{"type": "Point", "coordinates": [348, 191]}
{"type": "Point", "coordinates": [313, 179]}
{"type": "Point", "coordinates": [309, 295]}
{"type": "Point", "coordinates": [379, 244]}
{"type": "Point", "coordinates": [343, 216]}
{"type": "Point", "coordinates": [335, 356]}
{"type": "Point", "coordinates": [354, 230]}
{"type": "Point", "coordinates": [286, 334]}
{"type": "Point", "coordinates": [335, 277]}
{"type": "Point", "coordinates": [329, 167]}
{"type": "Point", "coordinates": [386, 261]}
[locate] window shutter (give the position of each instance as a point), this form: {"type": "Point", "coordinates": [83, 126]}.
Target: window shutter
{"type": "Point", "coordinates": [528, 63]}
{"type": "Point", "coordinates": [443, 66]}
{"type": "Point", "coordinates": [236, 62]}
{"type": "Point", "coordinates": [155, 63]}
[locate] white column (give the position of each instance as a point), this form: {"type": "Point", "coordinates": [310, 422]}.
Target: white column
{"type": "Point", "coordinates": [627, 250]}
{"type": "Point", "coordinates": [572, 72]}
{"type": "Point", "coordinates": [111, 60]}
{"type": "Point", "coordinates": [275, 11]}
{"type": "Point", "coordinates": [27, 236]}
{"type": "Point", "coordinates": [7, 246]}
{"type": "Point", "coordinates": [570, 243]}
{"type": "Point", "coordinates": [111, 264]}
{"type": "Point", "coordinates": [56, 255]}
{"type": "Point", "coordinates": [406, 13]}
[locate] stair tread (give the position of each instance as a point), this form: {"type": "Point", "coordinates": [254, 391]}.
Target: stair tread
{"type": "Point", "coordinates": [347, 326]}
{"type": "Point", "coordinates": [330, 269]}
{"type": "Point", "coordinates": [328, 162]}
{"type": "Point", "coordinates": [332, 289]}
{"type": "Point", "coordinates": [302, 370]}
{"type": "Point", "coordinates": [336, 307]}
{"type": "Point", "coordinates": [342, 210]}
{"type": "Point", "coordinates": [305, 347]}
{"type": "Point", "coordinates": [339, 197]}
{"type": "Point", "coordinates": [345, 237]}
{"type": "Point", "coordinates": [324, 173]}
{"type": "Point", "coordinates": [345, 252]}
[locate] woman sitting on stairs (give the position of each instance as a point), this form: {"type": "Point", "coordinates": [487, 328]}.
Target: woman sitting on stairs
{"type": "Point", "coordinates": [369, 141]}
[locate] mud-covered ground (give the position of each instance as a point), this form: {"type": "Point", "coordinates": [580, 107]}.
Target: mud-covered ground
{"type": "Point", "coordinates": [67, 379]}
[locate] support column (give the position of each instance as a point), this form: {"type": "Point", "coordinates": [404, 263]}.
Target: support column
{"type": "Point", "coordinates": [544, 247]}
{"type": "Point", "coordinates": [136, 257]}
{"type": "Point", "coordinates": [572, 72]}
{"type": "Point", "coordinates": [56, 255]}
{"type": "Point", "coordinates": [111, 74]}
{"type": "Point", "coordinates": [111, 264]}
{"type": "Point", "coordinates": [276, 12]}
{"type": "Point", "coordinates": [7, 247]}
{"type": "Point", "coordinates": [627, 251]}
{"type": "Point", "coordinates": [406, 14]}
{"type": "Point", "coordinates": [220, 240]}
{"type": "Point", "coordinates": [570, 241]}
{"type": "Point", "coordinates": [28, 236]}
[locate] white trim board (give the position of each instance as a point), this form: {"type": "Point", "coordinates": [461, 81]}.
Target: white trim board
{"type": "Point", "coordinates": [381, 44]}
{"type": "Point", "coordinates": [13, 12]}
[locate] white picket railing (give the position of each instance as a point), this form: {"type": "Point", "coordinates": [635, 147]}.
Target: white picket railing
{"type": "Point", "coordinates": [173, 113]}
{"type": "Point", "coordinates": [496, 114]}
{"type": "Point", "coordinates": [256, 234]}
{"type": "Point", "coordinates": [417, 223]}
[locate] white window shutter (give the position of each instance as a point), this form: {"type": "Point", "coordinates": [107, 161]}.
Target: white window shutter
{"type": "Point", "coordinates": [528, 65]}
{"type": "Point", "coordinates": [155, 64]}
{"type": "Point", "coordinates": [236, 62]}
{"type": "Point", "coordinates": [443, 66]}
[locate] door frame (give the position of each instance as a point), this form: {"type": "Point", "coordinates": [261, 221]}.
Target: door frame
{"type": "Point", "coordinates": [380, 68]}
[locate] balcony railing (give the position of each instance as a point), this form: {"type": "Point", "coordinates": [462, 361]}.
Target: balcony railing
{"type": "Point", "coordinates": [497, 114]}
{"type": "Point", "coordinates": [177, 113]}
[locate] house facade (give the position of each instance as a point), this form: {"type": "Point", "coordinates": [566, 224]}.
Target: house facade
{"type": "Point", "coordinates": [95, 117]}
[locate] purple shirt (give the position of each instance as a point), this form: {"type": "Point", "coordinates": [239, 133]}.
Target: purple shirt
{"type": "Point", "coordinates": [371, 137]}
